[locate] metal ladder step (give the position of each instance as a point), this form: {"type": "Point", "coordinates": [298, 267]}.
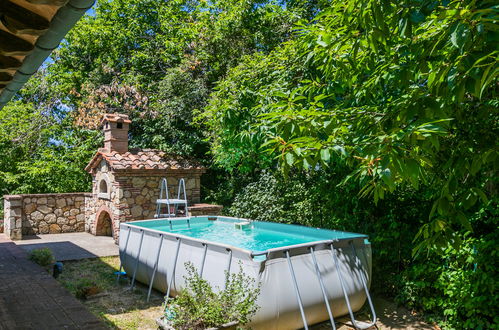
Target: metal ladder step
{"type": "Point", "coordinates": [170, 203]}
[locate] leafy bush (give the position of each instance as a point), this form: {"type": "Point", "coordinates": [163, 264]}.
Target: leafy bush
{"type": "Point", "coordinates": [453, 287]}
{"type": "Point", "coordinates": [43, 257]}
{"type": "Point", "coordinates": [199, 306]}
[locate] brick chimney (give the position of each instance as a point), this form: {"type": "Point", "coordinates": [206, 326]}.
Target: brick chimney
{"type": "Point", "coordinates": [115, 128]}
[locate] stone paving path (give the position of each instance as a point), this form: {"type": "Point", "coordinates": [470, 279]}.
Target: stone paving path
{"type": "Point", "coordinates": [32, 299]}
{"type": "Point", "coordinates": [72, 246]}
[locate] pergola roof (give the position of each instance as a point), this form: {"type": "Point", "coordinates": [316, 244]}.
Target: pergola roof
{"type": "Point", "coordinates": [29, 31]}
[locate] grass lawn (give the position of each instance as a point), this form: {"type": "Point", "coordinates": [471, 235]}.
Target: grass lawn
{"type": "Point", "coordinates": [94, 283]}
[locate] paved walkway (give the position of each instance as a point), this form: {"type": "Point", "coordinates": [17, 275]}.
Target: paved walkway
{"type": "Point", "coordinates": [32, 299]}
{"type": "Point", "coordinates": [72, 246]}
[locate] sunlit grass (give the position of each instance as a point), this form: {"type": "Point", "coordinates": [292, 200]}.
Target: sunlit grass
{"type": "Point", "coordinates": [113, 303]}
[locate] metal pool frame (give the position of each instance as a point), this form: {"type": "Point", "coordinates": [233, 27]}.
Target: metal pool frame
{"type": "Point", "coordinates": [341, 294]}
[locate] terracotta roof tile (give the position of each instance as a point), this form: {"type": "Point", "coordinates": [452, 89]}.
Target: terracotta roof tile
{"type": "Point", "coordinates": [143, 159]}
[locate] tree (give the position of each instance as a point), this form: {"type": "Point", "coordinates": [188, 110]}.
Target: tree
{"type": "Point", "coordinates": [406, 94]}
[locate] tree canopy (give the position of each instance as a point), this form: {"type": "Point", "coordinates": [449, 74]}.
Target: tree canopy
{"type": "Point", "coordinates": [363, 115]}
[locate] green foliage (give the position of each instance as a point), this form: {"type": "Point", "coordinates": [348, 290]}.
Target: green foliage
{"type": "Point", "coordinates": [171, 127]}
{"type": "Point", "coordinates": [198, 306]}
{"type": "Point", "coordinates": [457, 289]}
{"type": "Point", "coordinates": [43, 257]}
{"type": "Point", "coordinates": [42, 155]}
{"type": "Point", "coordinates": [454, 287]}
{"type": "Point", "coordinates": [237, 102]}
{"type": "Point", "coordinates": [404, 92]}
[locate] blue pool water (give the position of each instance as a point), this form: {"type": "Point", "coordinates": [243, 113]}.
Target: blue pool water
{"type": "Point", "coordinates": [258, 236]}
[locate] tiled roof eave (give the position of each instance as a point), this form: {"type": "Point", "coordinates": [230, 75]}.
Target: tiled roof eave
{"type": "Point", "coordinates": [157, 171]}
{"type": "Point", "coordinates": [117, 167]}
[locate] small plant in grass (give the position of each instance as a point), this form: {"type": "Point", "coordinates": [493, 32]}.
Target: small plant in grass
{"type": "Point", "coordinates": [198, 306]}
{"type": "Point", "coordinates": [85, 287]}
{"type": "Point", "coordinates": [43, 257]}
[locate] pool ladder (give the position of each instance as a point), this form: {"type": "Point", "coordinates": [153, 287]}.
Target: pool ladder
{"type": "Point", "coordinates": [356, 324]}
{"type": "Point", "coordinates": [164, 199]}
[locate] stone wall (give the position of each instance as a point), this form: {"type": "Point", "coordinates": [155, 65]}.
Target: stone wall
{"type": "Point", "coordinates": [132, 196]}
{"type": "Point", "coordinates": [44, 214]}
{"type": "Point", "coordinates": [140, 193]}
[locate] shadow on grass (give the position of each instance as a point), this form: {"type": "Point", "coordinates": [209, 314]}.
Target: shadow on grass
{"type": "Point", "coordinates": [94, 282]}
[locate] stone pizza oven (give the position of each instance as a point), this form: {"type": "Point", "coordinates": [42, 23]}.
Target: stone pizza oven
{"type": "Point", "coordinates": [126, 183]}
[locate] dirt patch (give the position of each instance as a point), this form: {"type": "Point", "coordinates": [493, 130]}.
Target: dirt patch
{"type": "Point", "coordinates": [112, 302]}
{"type": "Point", "coordinates": [390, 317]}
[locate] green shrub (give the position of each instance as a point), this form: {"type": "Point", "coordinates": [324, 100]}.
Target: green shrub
{"type": "Point", "coordinates": [43, 257]}
{"type": "Point", "coordinates": [199, 306]}
{"type": "Point", "coordinates": [455, 287]}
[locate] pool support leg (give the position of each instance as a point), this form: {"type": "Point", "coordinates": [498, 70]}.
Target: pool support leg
{"type": "Point", "coordinates": [364, 282]}
{"type": "Point", "coordinates": [297, 292]}
{"type": "Point", "coordinates": [345, 294]}
{"type": "Point", "coordinates": [155, 267]}
{"type": "Point", "coordinates": [138, 259]}
{"type": "Point", "coordinates": [321, 282]}
{"type": "Point", "coordinates": [227, 271]}
{"type": "Point", "coordinates": [122, 260]}
{"type": "Point", "coordinates": [170, 282]}
{"type": "Point", "coordinates": [204, 259]}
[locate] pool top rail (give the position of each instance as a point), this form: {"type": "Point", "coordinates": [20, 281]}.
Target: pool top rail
{"type": "Point", "coordinates": [317, 238]}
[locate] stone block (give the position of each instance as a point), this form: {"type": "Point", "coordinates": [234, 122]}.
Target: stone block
{"type": "Point", "coordinates": [80, 217]}
{"type": "Point", "coordinates": [16, 212]}
{"type": "Point", "coordinates": [140, 200]}
{"type": "Point", "coordinates": [62, 220]}
{"type": "Point", "coordinates": [60, 202]}
{"type": "Point", "coordinates": [74, 211]}
{"type": "Point", "coordinates": [45, 209]}
{"type": "Point", "coordinates": [138, 182]}
{"type": "Point", "coordinates": [41, 201]}
{"type": "Point", "coordinates": [136, 211]}
{"type": "Point", "coordinates": [153, 183]}
{"type": "Point", "coordinates": [29, 208]}
{"type": "Point", "coordinates": [37, 216]}
{"type": "Point", "coordinates": [80, 227]}
{"type": "Point", "coordinates": [67, 229]}
{"type": "Point", "coordinates": [190, 183]}
{"type": "Point", "coordinates": [50, 218]}
{"type": "Point", "coordinates": [54, 228]}
{"type": "Point", "coordinates": [43, 229]}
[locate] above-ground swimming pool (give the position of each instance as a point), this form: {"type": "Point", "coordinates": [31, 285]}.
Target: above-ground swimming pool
{"type": "Point", "coordinates": [305, 273]}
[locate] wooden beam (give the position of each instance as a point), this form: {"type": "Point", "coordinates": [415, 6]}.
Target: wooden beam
{"type": "Point", "coordinates": [5, 78]}
{"type": "Point", "coordinates": [20, 20]}
{"type": "Point", "coordinates": [12, 45]}
{"type": "Point", "coordinates": [59, 3]}
{"type": "Point", "coordinates": [8, 63]}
